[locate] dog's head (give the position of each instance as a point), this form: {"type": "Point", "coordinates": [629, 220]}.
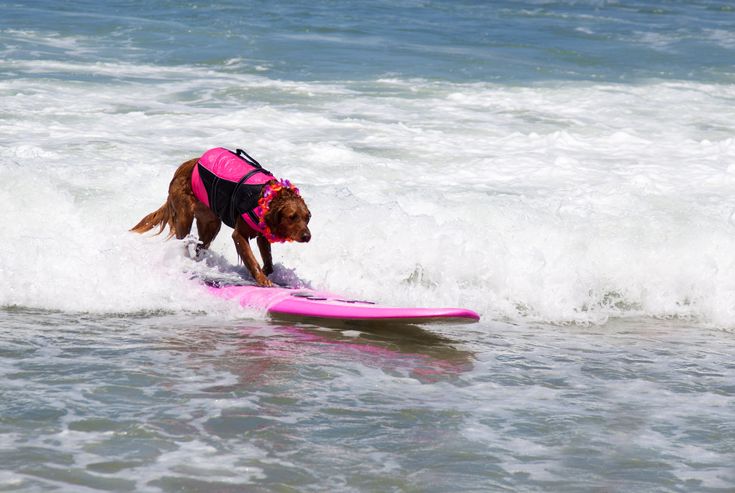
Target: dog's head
{"type": "Point", "coordinates": [288, 216]}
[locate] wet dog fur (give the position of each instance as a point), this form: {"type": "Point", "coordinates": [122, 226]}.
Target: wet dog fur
{"type": "Point", "coordinates": [288, 217]}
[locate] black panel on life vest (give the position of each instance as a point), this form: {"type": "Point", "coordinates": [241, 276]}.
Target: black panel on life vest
{"type": "Point", "coordinates": [220, 193]}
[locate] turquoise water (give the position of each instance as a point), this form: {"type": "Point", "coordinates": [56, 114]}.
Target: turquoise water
{"type": "Point", "coordinates": [461, 41]}
{"type": "Point", "coordinates": [566, 169]}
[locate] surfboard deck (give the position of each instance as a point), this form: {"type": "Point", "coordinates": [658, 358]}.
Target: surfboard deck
{"type": "Point", "coordinates": [310, 304]}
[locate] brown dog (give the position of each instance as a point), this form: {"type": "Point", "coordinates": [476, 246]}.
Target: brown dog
{"type": "Point", "coordinates": [248, 199]}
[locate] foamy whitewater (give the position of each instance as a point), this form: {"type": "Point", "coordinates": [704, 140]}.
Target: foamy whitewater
{"type": "Point", "coordinates": [558, 202]}
{"type": "Point", "coordinates": [567, 170]}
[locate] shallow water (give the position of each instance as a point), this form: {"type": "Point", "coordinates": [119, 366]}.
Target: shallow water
{"type": "Point", "coordinates": [566, 169]}
{"type": "Point", "coordinates": [160, 403]}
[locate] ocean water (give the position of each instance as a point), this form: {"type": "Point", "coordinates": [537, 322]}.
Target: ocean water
{"type": "Point", "coordinates": [566, 169]}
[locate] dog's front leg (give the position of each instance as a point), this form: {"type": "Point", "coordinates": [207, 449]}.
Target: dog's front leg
{"type": "Point", "coordinates": [265, 253]}
{"type": "Point", "coordinates": [246, 254]}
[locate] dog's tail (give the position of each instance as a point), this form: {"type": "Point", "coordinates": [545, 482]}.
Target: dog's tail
{"type": "Point", "coordinates": [159, 218]}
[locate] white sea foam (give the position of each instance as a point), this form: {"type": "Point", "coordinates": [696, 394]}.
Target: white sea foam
{"type": "Point", "coordinates": [559, 202]}
{"type": "Point", "coordinates": [20, 41]}
{"type": "Point", "coordinates": [722, 37]}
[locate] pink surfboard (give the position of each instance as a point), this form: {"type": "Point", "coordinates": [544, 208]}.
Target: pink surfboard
{"type": "Point", "coordinates": [307, 303]}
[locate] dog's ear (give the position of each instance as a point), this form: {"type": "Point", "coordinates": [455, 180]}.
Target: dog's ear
{"type": "Point", "coordinates": [279, 203]}
{"type": "Point", "coordinates": [275, 214]}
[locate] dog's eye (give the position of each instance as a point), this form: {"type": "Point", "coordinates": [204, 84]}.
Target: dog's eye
{"type": "Point", "coordinates": [293, 217]}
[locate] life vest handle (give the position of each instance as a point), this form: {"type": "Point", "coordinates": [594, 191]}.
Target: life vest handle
{"type": "Point", "coordinates": [241, 153]}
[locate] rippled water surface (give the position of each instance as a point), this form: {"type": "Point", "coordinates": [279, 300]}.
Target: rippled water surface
{"type": "Point", "coordinates": [159, 403]}
{"type": "Point", "coordinates": [565, 168]}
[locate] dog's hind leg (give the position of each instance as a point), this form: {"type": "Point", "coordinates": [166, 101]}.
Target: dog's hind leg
{"type": "Point", "coordinates": [182, 215]}
{"type": "Point", "coordinates": [208, 225]}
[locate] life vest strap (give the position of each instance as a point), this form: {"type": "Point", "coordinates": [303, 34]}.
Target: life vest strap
{"type": "Point", "coordinates": [233, 197]}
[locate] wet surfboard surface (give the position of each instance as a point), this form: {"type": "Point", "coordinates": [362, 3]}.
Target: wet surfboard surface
{"type": "Point", "coordinates": [309, 303]}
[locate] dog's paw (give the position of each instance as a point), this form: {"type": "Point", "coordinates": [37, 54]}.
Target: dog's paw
{"type": "Point", "coordinates": [267, 270]}
{"type": "Point", "coordinates": [263, 281]}
{"type": "Point", "coordinates": [192, 246]}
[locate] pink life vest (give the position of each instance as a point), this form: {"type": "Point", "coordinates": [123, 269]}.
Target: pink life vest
{"type": "Point", "coordinates": [230, 184]}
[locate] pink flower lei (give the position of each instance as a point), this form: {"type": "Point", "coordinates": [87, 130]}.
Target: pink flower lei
{"type": "Point", "coordinates": [270, 190]}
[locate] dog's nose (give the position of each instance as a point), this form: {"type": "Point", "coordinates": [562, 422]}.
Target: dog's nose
{"type": "Point", "coordinates": [306, 237]}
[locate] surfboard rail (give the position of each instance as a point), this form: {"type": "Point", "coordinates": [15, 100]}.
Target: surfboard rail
{"type": "Point", "coordinates": [308, 303]}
